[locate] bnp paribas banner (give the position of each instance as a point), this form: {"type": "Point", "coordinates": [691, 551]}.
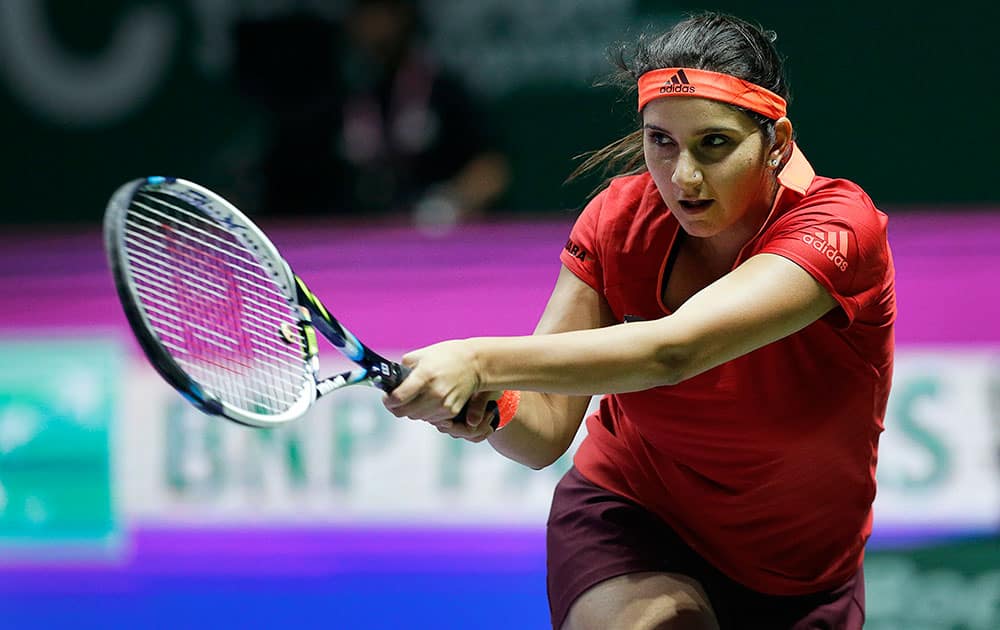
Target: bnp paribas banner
{"type": "Point", "coordinates": [349, 460]}
{"type": "Point", "coordinates": [58, 402]}
{"type": "Point", "coordinates": [89, 432]}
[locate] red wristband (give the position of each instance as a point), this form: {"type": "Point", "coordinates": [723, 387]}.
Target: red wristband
{"type": "Point", "coordinates": [507, 406]}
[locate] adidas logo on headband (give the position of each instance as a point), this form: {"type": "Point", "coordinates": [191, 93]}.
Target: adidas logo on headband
{"type": "Point", "coordinates": [677, 84]}
{"type": "Point", "coordinates": [667, 82]}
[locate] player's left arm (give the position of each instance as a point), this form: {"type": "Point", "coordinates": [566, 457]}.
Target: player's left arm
{"type": "Point", "coordinates": [765, 299]}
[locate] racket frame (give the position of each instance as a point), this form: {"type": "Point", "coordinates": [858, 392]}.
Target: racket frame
{"type": "Point", "coordinates": [374, 369]}
{"type": "Point", "coordinates": [217, 209]}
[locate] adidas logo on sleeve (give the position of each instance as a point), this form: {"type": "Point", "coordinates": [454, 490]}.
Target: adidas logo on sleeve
{"type": "Point", "coordinates": [832, 244]}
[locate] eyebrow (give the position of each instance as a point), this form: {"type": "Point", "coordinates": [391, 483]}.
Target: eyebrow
{"type": "Point", "coordinates": [699, 132]}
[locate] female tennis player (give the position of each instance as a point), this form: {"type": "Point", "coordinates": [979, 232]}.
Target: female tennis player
{"type": "Point", "coordinates": [737, 311]}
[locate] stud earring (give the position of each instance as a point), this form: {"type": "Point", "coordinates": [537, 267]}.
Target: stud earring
{"type": "Point", "coordinates": [773, 162]}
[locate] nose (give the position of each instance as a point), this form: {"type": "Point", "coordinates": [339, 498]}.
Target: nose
{"type": "Point", "coordinates": [687, 173]}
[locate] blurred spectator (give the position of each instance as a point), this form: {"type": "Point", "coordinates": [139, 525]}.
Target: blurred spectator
{"type": "Point", "coordinates": [287, 66]}
{"type": "Point", "coordinates": [363, 122]}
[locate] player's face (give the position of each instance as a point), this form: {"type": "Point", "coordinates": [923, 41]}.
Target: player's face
{"type": "Point", "coordinates": [709, 164]}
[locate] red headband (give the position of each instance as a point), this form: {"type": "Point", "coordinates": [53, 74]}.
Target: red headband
{"type": "Point", "coordinates": [665, 82]}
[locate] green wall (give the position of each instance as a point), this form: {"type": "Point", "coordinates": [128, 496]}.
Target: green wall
{"type": "Point", "coordinates": [902, 101]}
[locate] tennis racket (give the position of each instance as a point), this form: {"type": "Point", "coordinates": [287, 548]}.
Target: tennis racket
{"type": "Point", "coordinates": [218, 311]}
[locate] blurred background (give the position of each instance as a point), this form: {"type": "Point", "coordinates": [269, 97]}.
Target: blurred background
{"type": "Point", "coordinates": [409, 159]}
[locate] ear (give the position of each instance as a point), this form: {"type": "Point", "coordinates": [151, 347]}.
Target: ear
{"type": "Point", "coordinates": [783, 135]}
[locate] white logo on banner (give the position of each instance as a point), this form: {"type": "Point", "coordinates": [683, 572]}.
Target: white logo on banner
{"type": "Point", "coordinates": [74, 89]}
{"type": "Point", "coordinates": [496, 45]}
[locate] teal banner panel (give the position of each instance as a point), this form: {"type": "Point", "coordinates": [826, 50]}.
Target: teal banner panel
{"type": "Point", "coordinates": [944, 586]}
{"type": "Point", "coordinates": [58, 399]}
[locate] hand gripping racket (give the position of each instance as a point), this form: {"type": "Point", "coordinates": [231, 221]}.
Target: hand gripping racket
{"type": "Point", "coordinates": [218, 311]}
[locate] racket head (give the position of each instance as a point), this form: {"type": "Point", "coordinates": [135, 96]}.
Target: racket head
{"type": "Point", "coordinates": [210, 300]}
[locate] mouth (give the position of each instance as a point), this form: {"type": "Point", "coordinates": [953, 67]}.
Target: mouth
{"type": "Point", "coordinates": [695, 206]}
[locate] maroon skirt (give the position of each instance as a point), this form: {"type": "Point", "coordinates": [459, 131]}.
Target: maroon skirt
{"type": "Point", "coordinates": [594, 535]}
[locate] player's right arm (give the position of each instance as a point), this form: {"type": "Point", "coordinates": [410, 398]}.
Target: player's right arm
{"type": "Point", "coordinates": [545, 424]}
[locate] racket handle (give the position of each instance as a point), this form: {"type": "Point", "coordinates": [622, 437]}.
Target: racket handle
{"type": "Point", "coordinates": [492, 411]}
{"type": "Point", "coordinates": [403, 373]}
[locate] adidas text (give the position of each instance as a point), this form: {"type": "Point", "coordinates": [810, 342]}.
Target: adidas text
{"type": "Point", "coordinates": [828, 250]}
{"type": "Point", "coordinates": [677, 88]}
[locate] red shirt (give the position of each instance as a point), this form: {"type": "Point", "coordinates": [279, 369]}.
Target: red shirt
{"type": "Point", "coordinates": [765, 465]}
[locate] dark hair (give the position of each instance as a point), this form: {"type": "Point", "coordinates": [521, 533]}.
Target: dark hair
{"type": "Point", "coordinates": [706, 41]}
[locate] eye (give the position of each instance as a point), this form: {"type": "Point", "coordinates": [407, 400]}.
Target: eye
{"type": "Point", "coordinates": [659, 138]}
{"type": "Point", "coordinates": [714, 140]}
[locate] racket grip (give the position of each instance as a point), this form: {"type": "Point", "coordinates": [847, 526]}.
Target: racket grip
{"type": "Point", "coordinates": [388, 375]}
{"type": "Point", "coordinates": [492, 411]}
{"type": "Point", "coordinates": [403, 373]}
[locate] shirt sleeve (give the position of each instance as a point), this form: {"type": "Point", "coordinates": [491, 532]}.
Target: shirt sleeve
{"type": "Point", "coordinates": [842, 243]}
{"type": "Point", "coordinates": [580, 255]}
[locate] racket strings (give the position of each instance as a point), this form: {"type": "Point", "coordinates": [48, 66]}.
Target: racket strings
{"type": "Point", "coordinates": [214, 306]}
{"type": "Point", "coordinates": [197, 283]}
{"type": "Point", "coordinates": [210, 359]}
{"type": "Point", "coordinates": [208, 288]}
{"type": "Point", "coordinates": [193, 344]}
{"type": "Point", "coordinates": [230, 352]}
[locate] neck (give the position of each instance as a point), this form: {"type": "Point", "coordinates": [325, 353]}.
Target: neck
{"type": "Point", "coordinates": [718, 253]}
{"type": "Point", "coordinates": [724, 248]}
